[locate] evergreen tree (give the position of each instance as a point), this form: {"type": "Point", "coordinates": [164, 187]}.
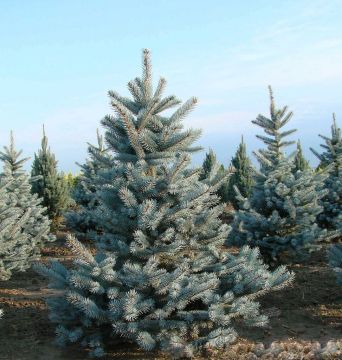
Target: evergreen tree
{"type": "Point", "coordinates": [331, 163]}
{"type": "Point", "coordinates": [280, 214]}
{"type": "Point", "coordinates": [165, 281]}
{"type": "Point", "coordinates": [210, 168]}
{"type": "Point", "coordinates": [11, 219]}
{"type": "Point", "coordinates": [82, 218]}
{"type": "Point", "coordinates": [208, 164]}
{"type": "Point", "coordinates": [49, 184]}
{"type": "Point", "coordinates": [26, 229]}
{"type": "Point", "coordinates": [301, 164]}
{"type": "Point", "coordinates": [242, 176]}
{"type": "Point", "coordinates": [335, 260]}
{"type": "Point", "coordinates": [71, 180]}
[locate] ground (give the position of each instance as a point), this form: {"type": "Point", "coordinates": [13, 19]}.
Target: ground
{"type": "Point", "coordinates": [306, 317]}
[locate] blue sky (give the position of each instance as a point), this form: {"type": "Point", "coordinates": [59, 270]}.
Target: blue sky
{"type": "Point", "coordinates": [59, 59]}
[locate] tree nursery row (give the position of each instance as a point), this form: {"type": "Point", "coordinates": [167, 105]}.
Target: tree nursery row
{"type": "Point", "coordinates": [168, 256]}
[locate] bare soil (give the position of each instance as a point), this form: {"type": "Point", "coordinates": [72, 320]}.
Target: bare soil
{"type": "Point", "coordinates": [308, 314]}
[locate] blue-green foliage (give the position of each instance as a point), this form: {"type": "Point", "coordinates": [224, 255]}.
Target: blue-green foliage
{"type": "Point", "coordinates": [242, 176]}
{"type": "Point", "coordinates": [331, 163]}
{"type": "Point", "coordinates": [10, 234]}
{"type": "Point", "coordinates": [209, 162]}
{"type": "Point", "coordinates": [280, 214]}
{"type": "Point", "coordinates": [335, 260]}
{"type": "Point", "coordinates": [163, 280]}
{"type": "Point", "coordinates": [300, 163]}
{"type": "Point", "coordinates": [177, 310]}
{"type": "Point", "coordinates": [81, 220]}
{"type": "Point", "coordinates": [211, 166]}
{"type": "Point", "coordinates": [24, 228]}
{"type": "Point", "coordinates": [48, 184]}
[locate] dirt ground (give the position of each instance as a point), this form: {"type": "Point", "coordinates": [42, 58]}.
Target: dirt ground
{"type": "Point", "coordinates": [309, 314]}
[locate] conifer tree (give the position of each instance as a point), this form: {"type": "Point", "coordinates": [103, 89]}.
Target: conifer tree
{"type": "Point", "coordinates": [280, 214]}
{"type": "Point", "coordinates": [242, 175]}
{"type": "Point", "coordinates": [331, 163]}
{"type": "Point", "coordinates": [211, 166]}
{"type": "Point", "coordinates": [208, 164]}
{"type": "Point", "coordinates": [165, 281]}
{"type": "Point", "coordinates": [10, 235]}
{"type": "Point", "coordinates": [335, 261]}
{"type": "Point", "coordinates": [71, 180]}
{"type": "Point", "coordinates": [49, 184]}
{"type": "Point", "coordinates": [82, 219]}
{"type": "Point", "coordinates": [26, 228]}
{"type": "Point", "coordinates": [300, 162]}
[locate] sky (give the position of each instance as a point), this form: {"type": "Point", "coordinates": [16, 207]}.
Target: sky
{"type": "Point", "coordinates": [58, 59]}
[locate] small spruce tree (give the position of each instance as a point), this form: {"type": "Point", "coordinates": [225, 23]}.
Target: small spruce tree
{"type": "Point", "coordinates": [11, 219]}
{"type": "Point", "coordinates": [26, 227]}
{"type": "Point", "coordinates": [49, 184]}
{"type": "Point", "coordinates": [242, 175]}
{"type": "Point", "coordinates": [82, 219]}
{"type": "Point", "coordinates": [165, 281]}
{"type": "Point", "coordinates": [300, 163]}
{"type": "Point", "coordinates": [71, 180]}
{"type": "Point", "coordinates": [280, 214]}
{"type": "Point", "coordinates": [331, 164]}
{"type": "Point", "coordinates": [210, 167]}
{"type": "Point", "coordinates": [209, 163]}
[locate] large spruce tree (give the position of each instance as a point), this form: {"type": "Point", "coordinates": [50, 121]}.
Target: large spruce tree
{"type": "Point", "coordinates": [82, 219]}
{"type": "Point", "coordinates": [49, 184]}
{"type": "Point", "coordinates": [331, 163]}
{"type": "Point", "coordinates": [165, 281]}
{"type": "Point", "coordinates": [25, 225]}
{"type": "Point", "coordinates": [242, 175]}
{"type": "Point", "coordinates": [280, 214]}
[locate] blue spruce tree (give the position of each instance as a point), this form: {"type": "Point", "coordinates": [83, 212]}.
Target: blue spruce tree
{"type": "Point", "coordinates": [11, 219]}
{"type": "Point", "coordinates": [335, 261]}
{"type": "Point", "coordinates": [335, 174]}
{"type": "Point", "coordinates": [331, 163]}
{"type": "Point", "coordinates": [49, 185]}
{"type": "Point", "coordinates": [164, 280]}
{"type": "Point", "coordinates": [209, 163]}
{"type": "Point", "coordinates": [81, 220]}
{"type": "Point", "coordinates": [242, 175]}
{"type": "Point", "coordinates": [211, 167]}
{"type": "Point", "coordinates": [280, 214]}
{"type": "Point", "coordinates": [301, 164]}
{"type": "Point", "coordinates": [25, 225]}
